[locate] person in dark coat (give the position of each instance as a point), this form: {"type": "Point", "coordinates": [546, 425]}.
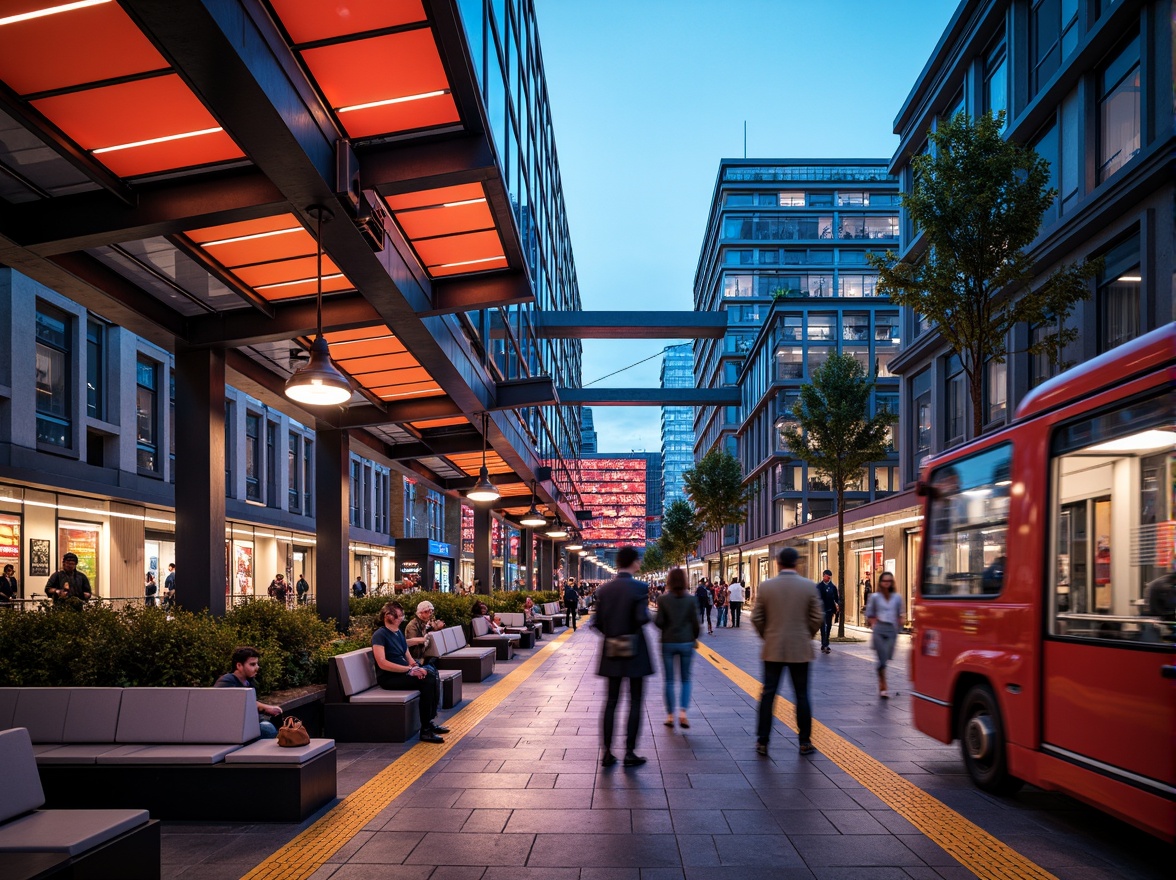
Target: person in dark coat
{"type": "Point", "coordinates": [622, 610]}
{"type": "Point", "coordinates": [571, 603]}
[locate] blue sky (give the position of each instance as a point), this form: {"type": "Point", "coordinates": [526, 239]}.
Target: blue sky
{"type": "Point", "coordinates": [648, 95]}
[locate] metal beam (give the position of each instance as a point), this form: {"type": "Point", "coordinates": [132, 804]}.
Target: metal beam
{"type": "Point", "coordinates": [345, 311]}
{"type": "Point", "coordinates": [517, 393]}
{"type": "Point", "coordinates": [391, 169]}
{"type": "Point", "coordinates": [630, 325]}
{"type": "Point", "coordinates": [479, 292]}
{"type": "Point", "coordinates": [400, 412]}
{"type": "Point", "coordinates": [458, 443]}
{"type": "Point", "coordinates": [725, 396]}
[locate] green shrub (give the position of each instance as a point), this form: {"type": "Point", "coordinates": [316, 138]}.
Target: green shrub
{"type": "Point", "coordinates": [513, 600]}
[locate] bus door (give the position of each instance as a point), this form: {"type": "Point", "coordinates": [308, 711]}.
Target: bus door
{"type": "Point", "coordinates": [1111, 612]}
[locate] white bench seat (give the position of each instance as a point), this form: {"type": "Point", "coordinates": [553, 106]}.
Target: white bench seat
{"type": "Point", "coordinates": [67, 831]}
{"type": "Point", "coordinates": [267, 751]}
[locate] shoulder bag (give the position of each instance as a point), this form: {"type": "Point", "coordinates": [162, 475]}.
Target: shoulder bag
{"type": "Point", "coordinates": [622, 647]}
{"type": "Point", "coordinates": [292, 734]}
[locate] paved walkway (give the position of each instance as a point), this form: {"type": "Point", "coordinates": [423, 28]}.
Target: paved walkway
{"type": "Point", "coordinates": [522, 794]}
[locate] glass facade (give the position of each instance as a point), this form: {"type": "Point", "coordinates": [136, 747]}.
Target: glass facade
{"type": "Point", "coordinates": [677, 423]}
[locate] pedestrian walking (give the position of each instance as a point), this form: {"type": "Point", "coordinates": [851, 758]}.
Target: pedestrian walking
{"type": "Point", "coordinates": [302, 588]}
{"type": "Point", "coordinates": [736, 599]}
{"type": "Point", "coordinates": [885, 616]}
{"type": "Point", "coordinates": [621, 614]}
{"type": "Point", "coordinates": [787, 615]}
{"type": "Point", "coordinates": [830, 606]}
{"type": "Point", "coordinates": [722, 593]}
{"type": "Point", "coordinates": [571, 603]}
{"type": "Point", "coordinates": [679, 625]}
{"type": "Point", "coordinates": [150, 589]}
{"type": "Point", "coordinates": [706, 600]}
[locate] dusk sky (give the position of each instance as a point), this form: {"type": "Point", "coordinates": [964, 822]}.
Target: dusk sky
{"type": "Point", "coordinates": [647, 96]}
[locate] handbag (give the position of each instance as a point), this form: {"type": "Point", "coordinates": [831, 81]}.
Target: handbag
{"type": "Point", "coordinates": [292, 734]}
{"type": "Point", "coordinates": [620, 647]}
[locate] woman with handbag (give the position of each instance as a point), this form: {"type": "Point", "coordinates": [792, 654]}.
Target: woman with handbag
{"type": "Point", "coordinates": [884, 613]}
{"type": "Point", "coordinates": [678, 621]}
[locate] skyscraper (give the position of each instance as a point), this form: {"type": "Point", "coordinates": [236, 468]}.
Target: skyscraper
{"type": "Point", "coordinates": [677, 422]}
{"type": "Point", "coordinates": [587, 431]}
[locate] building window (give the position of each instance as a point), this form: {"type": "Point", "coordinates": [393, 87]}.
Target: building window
{"type": "Point", "coordinates": [790, 363]}
{"type": "Point", "coordinates": [996, 81]}
{"type": "Point", "coordinates": [410, 499]}
{"type": "Point", "coordinates": [147, 414]}
{"type": "Point", "coordinates": [229, 448]}
{"type": "Point", "coordinates": [252, 457]}
{"type": "Point", "coordinates": [294, 473]}
{"type": "Point", "coordinates": [996, 391]}
{"type": "Point", "coordinates": [1118, 112]}
{"type": "Point", "coordinates": [790, 200]}
{"type": "Point", "coordinates": [95, 367]}
{"type": "Point", "coordinates": [356, 490]}
{"type": "Point", "coordinates": [307, 477]}
{"type": "Point", "coordinates": [171, 423]}
{"type": "Point", "coordinates": [1053, 34]}
{"type": "Point", "coordinates": [956, 398]}
{"type": "Point", "coordinates": [1042, 366]}
{"type": "Point", "coordinates": [436, 510]}
{"type": "Point", "coordinates": [921, 390]}
{"type": "Point", "coordinates": [383, 496]}
{"type": "Point", "coordinates": [1118, 294]}
{"type": "Point", "coordinates": [54, 426]}
{"type": "Point", "coordinates": [271, 464]}
{"type": "Point", "coordinates": [855, 328]}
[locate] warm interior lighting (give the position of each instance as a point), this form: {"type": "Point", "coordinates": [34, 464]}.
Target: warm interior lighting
{"type": "Point", "coordinates": [1129, 278]}
{"type": "Point", "coordinates": [557, 530]}
{"type": "Point", "coordinates": [50, 10]}
{"type": "Point", "coordinates": [158, 140]}
{"type": "Point", "coordinates": [1139, 444]}
{"type": "Point", "coordinates": [209, 244]}
{"type": "Point", "coordinates": [297, 281]}
{"type": "Point", "coordinates": [319, 382]}
{"type": "Point", "coordinates": [480, 201]}
{"type": "Point", "coordinates": [583, 553]}
{"type": "Point", "coordinates": [575, 544]}
{"type": "Point", "coordinates": [468, 262]}
{"type": "Point", "coordinates": [533, 518]}
{"type": "Point", "coordinates": [483, 491]}
{"type": "Point", "coordinates": [387, 101]}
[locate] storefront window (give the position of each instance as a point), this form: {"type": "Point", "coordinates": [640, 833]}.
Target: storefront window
{"type": "Point", "coordinates": [81, 538]}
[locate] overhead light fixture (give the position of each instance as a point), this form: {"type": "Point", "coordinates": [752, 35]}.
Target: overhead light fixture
{"type": "Point", "coordinates": [389, 101]}
{"type": "Point", "coordinates": [483, 490]}
{"type": "Point", "coordinates": [583, 553]}
{"type": "Point", "coordinates": [319, 382]}
{"type": "Point", "coordinates": [533, 518]}
{"type": "Point", "coordinates": [49, 10]}
{"type": "Point", "coordinates": [157, 140]}
{"type": "Point", "coordinates": [575, 544]}
{"type": "Point", "coordinates": [557, 529]}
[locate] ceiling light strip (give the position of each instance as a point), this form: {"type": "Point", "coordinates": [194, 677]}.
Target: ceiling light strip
{"type": "Point", "coordinates": [50, 10]}
{"type": "Point", "coordinates": [255, 235]}
{"type": "Point", "coordinates": [159, 140]}
{"type": "Point", "coordinates": [388, 101]}
{"type": "Point", "coordinates": [297, 281]}
{"type": "Point", "coordinates": [469, 262]}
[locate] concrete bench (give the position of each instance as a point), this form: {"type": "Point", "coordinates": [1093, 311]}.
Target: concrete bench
{"type": "Point", "coordinates": [474, 664]}
{"type": "Point", "coordinates": [552, 616]}
{"type": "Point", "coordinates": [87, 843]}
{"type": "Point", "coordinates": [481, 637]}
{"type": "Point", "coordinates": [515, 622]}
{"type": "Point", "coordinates": [359, 710]}
{"type": "Point", "coordinates": [167, 750]}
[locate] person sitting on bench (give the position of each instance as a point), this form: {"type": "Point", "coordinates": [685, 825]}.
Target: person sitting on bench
{"type": "Point", "coordinates": [396, 670]}
{"type": "Point", "coordinates": [246, 661]}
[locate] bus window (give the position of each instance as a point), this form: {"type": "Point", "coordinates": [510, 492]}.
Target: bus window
{"type": "Point", "coordinates": [968, 525]}
{"type": "Point", "coordinates": [1111, 525]}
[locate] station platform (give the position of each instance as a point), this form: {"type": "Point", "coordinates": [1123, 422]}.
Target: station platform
{"type": "Point", "coordinates": [517, 792]}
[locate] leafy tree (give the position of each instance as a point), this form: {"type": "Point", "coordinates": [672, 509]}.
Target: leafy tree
{"type": "Point", "coordinates": [680, 533]}
{"type": "Point", "coordinates": [653, 560]}
{"type": "Point", "coordinates": [836, 436]}
{"type": "Point", "coordinates": [979, 199]}
{"type": "Point", "coordinates": [715, 487]}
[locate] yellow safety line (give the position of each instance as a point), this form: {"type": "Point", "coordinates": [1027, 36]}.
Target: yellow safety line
{"type": "Point", "coordinates": [968, 843]}
{"type": "Point", "coordinates": [310, 850]}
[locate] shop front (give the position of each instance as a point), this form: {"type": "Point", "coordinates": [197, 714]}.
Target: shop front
{"type": "Point", "coordinates": [256, 555]}
{"type": "Point", "coordinates": [375, 565]}
{"type": "Point", "coordinates": [425, 565]}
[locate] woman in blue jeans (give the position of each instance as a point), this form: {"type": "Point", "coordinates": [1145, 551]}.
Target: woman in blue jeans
{"type": "Point", "coordinates": [677, 618]}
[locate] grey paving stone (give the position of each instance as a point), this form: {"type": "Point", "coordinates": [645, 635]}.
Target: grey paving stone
{"type": "Point", "coordinates": [854, 821]}
{"type": "Point", "coordinates": [861, 850]}
{"type": "Point", "coordinates": [471, 848]}
{"type": "Point", "coordinates": [387, 847]}
{"type": "Point", "coordinates": [488, 821]}
{"type": "Point", "coordinates": [605, 851]}
{"type": "Point", "coordinates": [697, 850]}
{"type": "Point", "coordinates": [458, 872]}
{"type": "Point", "coordinates": [428, 820]}
{"type": "Point", "coordinates": [652, 821]}
{"type": "Point", "coordinates": [573, 822]}
{"type": "Point", "coordinates": [757, 849]}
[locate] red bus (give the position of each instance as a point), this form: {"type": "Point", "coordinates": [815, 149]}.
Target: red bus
{"type": "Point", "coordinates": [1045, 630]}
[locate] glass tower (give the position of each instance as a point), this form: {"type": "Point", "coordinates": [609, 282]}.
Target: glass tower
{"type": "Point", "coordinates": [677, 422]}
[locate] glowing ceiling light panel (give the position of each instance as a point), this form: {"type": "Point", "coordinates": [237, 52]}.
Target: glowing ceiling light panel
{"type": "Point", "coordinates": [158, 140]}
{"type": "Point", "coordinates": [251, 237]}
{"type": "Point", "coordinates": [297, 281]}
{"type": "Point", "coordinates": [389, 101]}
{"type": "Point", "coordinates": [50, 10]}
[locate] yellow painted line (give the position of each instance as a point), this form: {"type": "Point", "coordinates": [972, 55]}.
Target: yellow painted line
{"type": "Point", "coordinates": [966, 842]}
{"type": "Point", "coordinates": [310, 850]}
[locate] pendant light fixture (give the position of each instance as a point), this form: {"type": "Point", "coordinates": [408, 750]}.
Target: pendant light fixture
{"type": "Point", "coordinates": [557, 530]}
{"type": "Point", "coordinates": [483, 489]}
{"type": "Point", "coordinates": [319, 382]}
{"type": "Point", "coordinates": [533, 519]}
{"type": "Point", "coordinates": [575, 543]}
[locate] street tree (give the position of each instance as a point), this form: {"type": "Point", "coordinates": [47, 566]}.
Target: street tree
{"type": "Point", "coordinates": [835, 435]}
{"type": "Point", "coordinates": [680, 532]}
{"type": "Point", "coordinates": [715, 487]}
{"type": "Point", "coordinates": [653, 561]}
{"type": "Point", "coordinates": [978, 200]}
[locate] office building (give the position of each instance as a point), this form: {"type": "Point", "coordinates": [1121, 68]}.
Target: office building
{"type": "Point", "coordinates": [677, 423]}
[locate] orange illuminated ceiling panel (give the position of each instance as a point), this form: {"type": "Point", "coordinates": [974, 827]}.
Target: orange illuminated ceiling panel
{"type": "Point", "coordinates": [309, 20]}
{"type": "Point", "coordinates": [275, 256]}
{"type": "Point", "coordinates": [471, 462]}
{"type": "Point", "coordinates": [141, 127]}
{"type": "Point", "coordinates": [402, 390]}
{"type": "Point", "coordinates": [378, 361]}
{"type": "Point", "coordinates": [451, 228]}
{"type": "Point", "coordinates": [440, 423]}
{"type": "Point", "coordinates": [69, 47]}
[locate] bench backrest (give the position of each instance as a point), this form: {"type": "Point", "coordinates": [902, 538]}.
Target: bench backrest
{"type": "Point", "coordinates": [7, 706]}
{"type": "Point", "coordinates": [188, 715]}
{"type": "Point", "coordinates": [356, 671]}
{"type": "Point", "coordinates": [21, 791]}
{"type": "Point", "coordinates": [551, 608]}
{"type": "Point", "coordinates": [513, 618]}
{"type": "Point", "coordinates": [479, 627]}
{"type": "Point", "coordinates": [450, 639]}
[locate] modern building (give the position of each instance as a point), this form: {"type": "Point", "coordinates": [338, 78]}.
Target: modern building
{"type": "Point", "coordinates": [785, 257]}
{"type": "Point", "coordinates": [623, 492]}
{"type": "Point", "coordinates": [587, 431]}
{"type": "Point", "coordinates": [160, 279]}
{"type": "Point", "coordinates": [677, 423]}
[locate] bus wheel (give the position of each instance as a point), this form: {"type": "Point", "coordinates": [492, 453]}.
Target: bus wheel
{"type": "Point", "coordinates": [982, 742]}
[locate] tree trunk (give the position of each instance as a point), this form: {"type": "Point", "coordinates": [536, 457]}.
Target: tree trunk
{"type": "Point", "coordinates": [976, 393]}
{"type": "Point", "coordinates": [841, 556]}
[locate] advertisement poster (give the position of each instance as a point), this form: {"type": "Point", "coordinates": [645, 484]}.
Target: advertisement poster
{"type": "Point", "coordinates": [82, 539]}
{"type": "Point", "coordinates": [244, 570]}
{"type": "Point", "coordinates": [40, 557]}
{"type": "Point", "coordinates": [10, 540]}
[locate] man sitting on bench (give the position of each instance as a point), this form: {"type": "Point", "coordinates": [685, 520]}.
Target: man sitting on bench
{"type": "Point", "coordinates": [396, 670]}
{"type": "Point", "coordinates": [418, 629]}
{"type": "Point", "coordinates": [246, 661]}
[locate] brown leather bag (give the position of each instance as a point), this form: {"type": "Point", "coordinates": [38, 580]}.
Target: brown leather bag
{"type": "Point", "coordinates": [292, 734]}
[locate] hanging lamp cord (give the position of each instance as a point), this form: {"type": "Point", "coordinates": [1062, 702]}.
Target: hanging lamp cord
{"type": "Point", "coordinates": [319, 267]}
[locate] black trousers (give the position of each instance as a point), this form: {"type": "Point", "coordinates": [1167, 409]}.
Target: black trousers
{"type": "Point", "coordinates": [636, 691]}
{"type": "Point", "coordinates": [804, 712]}
{"type": "Point", "coordinates": [428, 687]}
{"type": "Point", "coordinates": [736, 610]}
{"type": "Point", "coordinates": [704, 613]}
{"type": "Point", "coordinates": [570, 608]}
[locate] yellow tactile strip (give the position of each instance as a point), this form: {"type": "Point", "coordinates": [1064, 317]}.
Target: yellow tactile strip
{"type": "Point", "coordinates": [966, 842]}
{"type": "Point", "coordinates": [310, 850]}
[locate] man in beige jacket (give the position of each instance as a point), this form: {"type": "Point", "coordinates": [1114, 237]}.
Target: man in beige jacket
{"type": "Point", "coordinates": [787, 615]}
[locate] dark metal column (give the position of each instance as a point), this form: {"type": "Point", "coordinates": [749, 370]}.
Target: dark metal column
{"type": "Point", "coordinates": [483, 570]}
{"type": "Point", "coordinates": [332, 497]}
{"type": "Point", "coordinates": [547, 563]}
{"type": "Point", "coordinates": [525, 558]}
{"type": "Point", "coordinates": [200, 480]}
